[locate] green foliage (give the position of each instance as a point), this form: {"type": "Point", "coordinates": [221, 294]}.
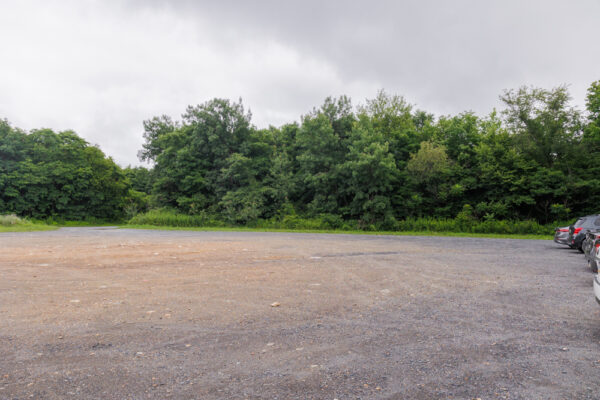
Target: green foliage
{"type": "Point", "coordinates": [381, 165]}
{"type": "Point", "coordinates": [545, 127]}
{"type": "Point", "coordinates": [140, 179]}
{"type": "Point", "coordinates": [464, 223]}
{"type": "Point", "coordinates": [429, 163]}
{"type": "Point", "coordinates": [45, 174]}
{"type": "Point", "coordinates": [173, 218]}
{"type": "Point", "coordinates": [13, 223]}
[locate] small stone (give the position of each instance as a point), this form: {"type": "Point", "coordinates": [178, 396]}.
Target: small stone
{"type": "Point", "coordinates": [150, 312]}
{"type": "Point", "coordinates": [139, 353]}
{"type": "Point", "coordinates": [299, 348]}
{"type": "Point", "coordinates": [74, 301]}
{"type": "Point", "coordinates": [276, 304]}
{"type": "Point", "coordinates": [188, 345]}
{"type": "Point", "coordinates": [270, 344]}
{"type": "Point", "coordinates": [314, 366]}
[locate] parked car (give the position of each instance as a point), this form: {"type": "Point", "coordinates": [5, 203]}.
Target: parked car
{"type": "Point", "coordinates": [595, 253]}
{"type": "Point", "coordinates": [578, 230]}
{"type": "Point", "coordinates": [561, 235]}
{"type": "Point", "coordinates": [590, 245]}
{"type": "Point", "coordinates": [588, 241]}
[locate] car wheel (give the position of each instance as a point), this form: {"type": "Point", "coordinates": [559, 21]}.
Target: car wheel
{"type": "Point", "coordinates": [593, 266]}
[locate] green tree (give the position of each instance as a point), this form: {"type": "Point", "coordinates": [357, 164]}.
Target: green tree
{"type": "Point", "coordinates": [321, 144]}
{"type": "Point", "coordinates": [430, 169]}
{"type": "Point", "coordinates": [47, 174]}
{"type": "Point", "coordinates": [545, 126]}
{"type": "Point", "coordinates": [429, 163]}
{"type": "Point", "coordinates": [373, 178]}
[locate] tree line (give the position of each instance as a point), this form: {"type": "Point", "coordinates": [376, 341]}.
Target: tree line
{"type": "Point", "coordinates": [374, 164]}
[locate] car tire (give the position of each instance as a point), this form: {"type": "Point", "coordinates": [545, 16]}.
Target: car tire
{"type": "Point", "coordinates": [593, 266]}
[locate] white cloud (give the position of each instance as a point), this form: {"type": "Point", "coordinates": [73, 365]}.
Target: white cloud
{"type": "Point", "coordinates": [101, 67]}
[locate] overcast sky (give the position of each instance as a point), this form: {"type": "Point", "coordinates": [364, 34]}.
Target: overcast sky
{"type": "Point", "coordinates": [102, 67]}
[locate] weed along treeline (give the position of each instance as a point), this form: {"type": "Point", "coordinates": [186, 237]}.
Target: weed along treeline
{"type": "Point", "coordinates": [381, 165]}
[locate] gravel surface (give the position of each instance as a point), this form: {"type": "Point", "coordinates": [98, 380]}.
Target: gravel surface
{"type": "Point", "coordinates": [100, 313]}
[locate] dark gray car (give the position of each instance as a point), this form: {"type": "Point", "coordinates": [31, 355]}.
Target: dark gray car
{"type": "Point", "coordinates": [580, 228]}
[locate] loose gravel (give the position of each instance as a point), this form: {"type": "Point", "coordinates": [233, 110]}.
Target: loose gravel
{"type": "Point", "coordinates": [90, 313]}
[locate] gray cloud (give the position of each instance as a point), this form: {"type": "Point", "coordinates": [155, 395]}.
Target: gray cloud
{"type": "Point", "coordinates": [100, 68]}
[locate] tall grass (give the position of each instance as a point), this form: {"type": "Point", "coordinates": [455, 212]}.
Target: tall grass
{"type": "Point", "coordinates": [331, 222]}
{"type": "Point", "coordinates": [13, 223]}
{"type": "Point", "coordinates": [474, 226]}
{"type": "Point", "coordinates": [12, 220]}
{"type": "Point", "coordinates": [170, 218]}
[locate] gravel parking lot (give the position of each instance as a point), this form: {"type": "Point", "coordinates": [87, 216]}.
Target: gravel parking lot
{"type": "Point", "coordinates": [90, 313]}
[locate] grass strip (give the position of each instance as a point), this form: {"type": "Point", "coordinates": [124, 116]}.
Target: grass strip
{"type": "Point", "coordinates": [27, 228]}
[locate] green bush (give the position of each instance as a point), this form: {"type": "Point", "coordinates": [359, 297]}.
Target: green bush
{"type": "Point", "coordinates": [469, 225]}
{"type": "Point", "coordinates": [172, 218]}
{"type": "Point", "coordinates": [462, 224]}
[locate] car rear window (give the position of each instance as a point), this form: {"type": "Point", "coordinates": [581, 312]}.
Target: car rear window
{"type": "Point", "coordinates": [591, 221]}
{"type": "Point", "coordinates": [579, 222]}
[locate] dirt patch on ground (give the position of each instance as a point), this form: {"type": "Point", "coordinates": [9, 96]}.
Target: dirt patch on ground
{"type": "Point", "coordinates": [108, 313]}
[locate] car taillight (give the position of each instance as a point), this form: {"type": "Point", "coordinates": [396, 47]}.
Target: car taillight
{"type": "Point", "coordinates": [576, 231]}
{"type": "Point", "coordinates": [563, 230]}
{"type": "Point", "coordinates": [597, 245]}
